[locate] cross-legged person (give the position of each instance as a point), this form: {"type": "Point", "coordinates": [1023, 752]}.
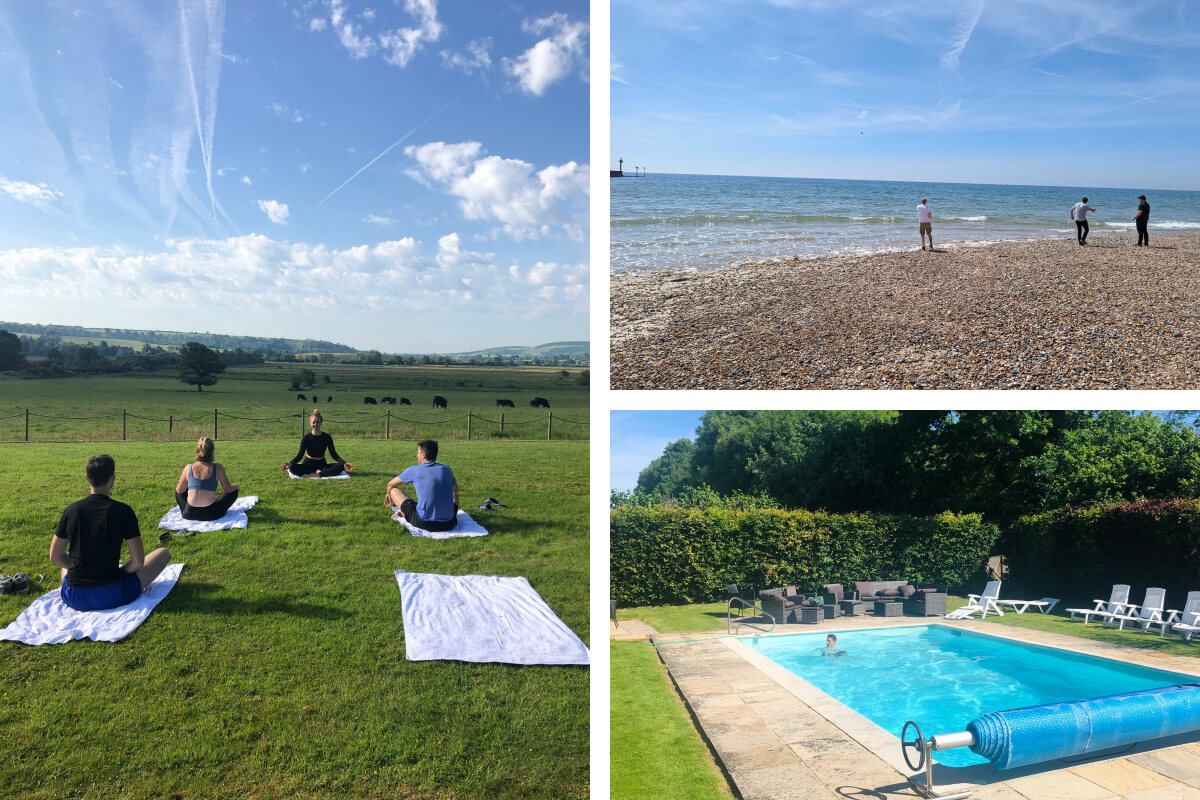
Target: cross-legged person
{"type": "Point", "coordinates": [87, 545]}
{"type": "Point", "coordinates": [309, 461]}
{"type": "Point", "coordinates": [196, 492]}
{"type": "Point", "coordinates": [436, 506]}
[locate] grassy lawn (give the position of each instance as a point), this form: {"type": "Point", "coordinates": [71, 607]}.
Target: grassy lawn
{"type": "Point", "coordinates": [664, 619]}
{"type": "Point", "coordinates": [655, 751]}
{"type": "Point", "coordinates": [275, 668]}
{"type": "Point", "coordinates": [160, 408]}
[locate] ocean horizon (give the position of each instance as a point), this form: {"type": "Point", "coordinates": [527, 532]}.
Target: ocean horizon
{"type": "Point", "coordinates": [712, 222]}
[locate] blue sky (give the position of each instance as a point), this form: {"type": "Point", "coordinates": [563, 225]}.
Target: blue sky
{"type": "Point", "coordinates": [1001, 91]}
{"type": "Point", "coordinates": [209, 166]}
{"type": "Point", "coordinates": [638, 437]}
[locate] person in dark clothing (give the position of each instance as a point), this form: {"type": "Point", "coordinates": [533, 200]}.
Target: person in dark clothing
{"type": "Point", "coordinates": [87, 545]}
{"type": "Point", "coordinates": [309, 461]}
{"type": "Point", "coordinates": [1141, 219]}
{"type": "Point", "coordinates": [196, 492]}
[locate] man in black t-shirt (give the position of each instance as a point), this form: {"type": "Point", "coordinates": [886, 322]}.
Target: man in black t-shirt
{"type": "Point", "coordinates": [87, 545]}
{"type": "Point", "coordinates": [1141, 219]}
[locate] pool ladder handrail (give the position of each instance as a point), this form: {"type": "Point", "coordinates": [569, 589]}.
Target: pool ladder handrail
{"type": "Point", "coordinates": [744, 604]}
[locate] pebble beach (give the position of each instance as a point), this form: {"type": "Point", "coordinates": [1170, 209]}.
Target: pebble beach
{"type": "Point", "coordinates": [1012, 315]}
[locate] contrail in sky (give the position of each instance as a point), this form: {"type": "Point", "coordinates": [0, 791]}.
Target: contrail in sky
{"type": "Point", "coordinates": [391, 146]}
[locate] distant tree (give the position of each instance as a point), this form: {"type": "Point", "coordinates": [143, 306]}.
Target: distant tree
{"type": "Point", "coordinates": [584, 378]}
{"type": "Point", "coordinates": [671, 471]}
{"type": "Point", "coordinates": [564, 373]}
{"type": "Point", "coordinates": [303, 378]}
{"type": "Point", "coordinates": [199, 365]}
{"type": "Point", "coordinates": [327, 379]}
{"type": "Point", "coordinates": [373, 357]}
{"type": "Point", "coordinates": [10, 351]}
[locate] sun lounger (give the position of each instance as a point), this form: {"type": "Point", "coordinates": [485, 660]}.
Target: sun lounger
{"type": "Point", "coordinates": [980, 603]}
{"type": "Point", "coordinates": [1172, 616]}
{"type": "Point", "coordinates": [1151, 610]}
{"type": "Point", "coordinates": [1045, 605]}
{"type": "Point", "coordinates": [1117, 603]}
{"type": "Point", "coordinates": [1189, 620]}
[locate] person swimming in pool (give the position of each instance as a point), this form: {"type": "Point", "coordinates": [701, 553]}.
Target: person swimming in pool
{"type": "Point", "coordinates": [831, 647]}
{"type": "Point", "coordinates": [196, 492]}
{"type": "Point", "coordinates": [309, 461]}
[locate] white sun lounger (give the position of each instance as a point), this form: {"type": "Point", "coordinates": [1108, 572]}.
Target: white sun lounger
{"type": "Point", "coordinates": [1151, 610]}
{"type": "Point", "coordinates": [1174, 615]}
{"type": "Point", "coordinates": [1189, 620]}
{"type": "Point", "coordinates": [1117, 603]}
{"type": "Point", "coordinates": [980, 603]}
{"type": "Point", "coordinates": [1045, 605]}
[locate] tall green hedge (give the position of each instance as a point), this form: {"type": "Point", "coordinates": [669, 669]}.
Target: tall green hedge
{"type": "Point", "coordinates": [1082, 552]}
{"type": "Point", "coordinates": [673, 555]}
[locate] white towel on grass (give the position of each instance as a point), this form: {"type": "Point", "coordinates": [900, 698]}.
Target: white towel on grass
{"type": "Point", "coordinates": [482, 618]}
{"type": "Point", "coordinates": [48, 620]}
{"type": "Point", "coordinates": [235, 517]}
{"type": "Point", "coordinates": [340, 476]}
{"type": "Point", "coordinates": [463, 526]}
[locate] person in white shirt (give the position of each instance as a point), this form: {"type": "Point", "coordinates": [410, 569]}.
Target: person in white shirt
{"type": "Point", "coordinates": [1079, 213]}
{"type": "Point", "coordinates": [925, 218]}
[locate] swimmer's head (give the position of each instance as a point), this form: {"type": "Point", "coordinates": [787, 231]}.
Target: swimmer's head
{"type": "Point", "coordinates": [831, 641]}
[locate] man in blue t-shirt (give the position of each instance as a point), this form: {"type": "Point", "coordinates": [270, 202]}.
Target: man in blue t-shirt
{"type": "Point", "coordinates": [436, 506]}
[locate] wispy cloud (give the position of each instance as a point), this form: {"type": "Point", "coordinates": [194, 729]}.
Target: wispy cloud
{"type": "Point", "coordinates": [398, 46]}
{"type": "Point", "coordinates": [35, 194]}
{"type": "Point", "coordinates": [474, 58]}
{"type": "Point", "coordinates": [375, 219]}
{"type": "Point", "coordinates": [971, 12]}
{"type": "Point", "coordinates": [277, 212]}
{"type": "Point", "coordinates": [553, 58]}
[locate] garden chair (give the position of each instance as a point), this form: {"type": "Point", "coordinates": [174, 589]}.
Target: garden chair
{"type": "Point", "coordinates": [1117, 602]}
{"type": "Point", "coordinates": [1189, 620]}
{"type": "Point", "coordinates": [980, 603]}
{"type": "Point", "coordinates": [1150, 611]}
{"type": "Point", "coordinates": [1173, 615]}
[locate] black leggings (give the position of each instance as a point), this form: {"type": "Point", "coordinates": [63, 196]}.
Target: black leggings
{"type": "Point", "coordinates": [205, 513]}
{"type": "Point", "coordinates": [323, 469]}
{"type": "Point", "coordinates": [1143, 234]}
{"type": "Point", "coordinates": [1081, 229]}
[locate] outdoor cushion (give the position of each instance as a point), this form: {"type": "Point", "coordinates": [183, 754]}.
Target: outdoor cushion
{"type": "Point", "coordinates": [834, 593]}
{"type": "Point", "coordinates": [864, 589]}
{"type": "Point", "coordinates": [891, 593]}
{"type": "Point", "coordinates": [908, 590]}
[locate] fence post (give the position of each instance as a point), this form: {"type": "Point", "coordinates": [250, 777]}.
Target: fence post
{"type": "Point", "coordinates": [123, 415]}
{"type": "Point", "coordinates": [170, 424]}
{"type": "Point", "coordinates": [302, 422]}
{"type": "Point", "coordinates": [549, 424]}
{"type": "Point", "coordinates": [27, 424]}
{"type": "Point", "coordinates": [214, 424]}
{"type": "Point", "coordinates": [502, 423]}
{"type": "Point", "coordinates": [387, 427]}
{"type": "Point", "coordinates": [468, 424]}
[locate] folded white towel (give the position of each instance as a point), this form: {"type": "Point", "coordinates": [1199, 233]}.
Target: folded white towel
{"type": "Point", "coordinates": [235, 517]}
{"type": "Point", "coordinates": [342, 476]}
{"type": "Point", "coordinates": [482, 618]}
{"type": "Point", "coordinates": [49, 621]}
{"type": "Point", "coordinates": [464, 526]}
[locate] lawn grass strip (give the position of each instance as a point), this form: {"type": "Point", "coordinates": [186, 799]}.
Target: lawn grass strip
{"type": "Point", "coordinates": [464, 526]}
{"type": "Point", "coordinates": [234, 518]}
{"type": "Point", "coordinates": [48, 620]}
{"type": "Point", "coordinates": [483, 619]}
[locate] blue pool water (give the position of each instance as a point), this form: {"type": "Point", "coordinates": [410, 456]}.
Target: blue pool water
{"type": "Point", "coordinates": [943, 678]}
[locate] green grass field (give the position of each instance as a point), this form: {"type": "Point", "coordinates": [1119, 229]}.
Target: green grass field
{"type": "Point", "coordinates": [160, 408]}
{"type": "Point", "coordinates": [275, 668]}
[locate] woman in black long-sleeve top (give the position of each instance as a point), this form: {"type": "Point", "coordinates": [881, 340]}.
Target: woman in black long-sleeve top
{"type": "Point", "coordinates": [309, 461]}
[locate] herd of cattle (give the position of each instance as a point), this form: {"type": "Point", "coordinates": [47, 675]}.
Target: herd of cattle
{"type": "Point", "coordinates": [438, 401]}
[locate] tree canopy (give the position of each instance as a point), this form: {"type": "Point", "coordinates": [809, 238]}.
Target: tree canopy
{"type": "Point", "coordinates": [198, 365]}
{"type": "Point", "coordinates": [10, 351]}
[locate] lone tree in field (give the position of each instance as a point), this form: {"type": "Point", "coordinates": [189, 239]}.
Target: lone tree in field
{"type": "Point", "coordinates": [10, 351]}
{"type": "Point", "coordinates": [199, 365]}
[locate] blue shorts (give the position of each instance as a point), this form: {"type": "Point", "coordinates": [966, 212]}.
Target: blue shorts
{"type": "Point", "coordinates": [120, 592]}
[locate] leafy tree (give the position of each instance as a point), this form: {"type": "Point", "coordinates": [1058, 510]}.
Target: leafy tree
{"type": "Point", "coordinates": [199, 365]}
{"type": "Point", "coordinates": [670, 472]}
{"type": "Point", "coordinates": [10, 351]}
{"type": "Point", "coordinates": [303, 379]}
{"type": "Point", "coordinates": [327, 379]}
{"type": "Point", "coordinates": [585, 377]}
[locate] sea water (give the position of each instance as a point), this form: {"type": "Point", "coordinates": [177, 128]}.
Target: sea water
{"type": "Point", "coordinates": [706, 222]}
{"type": "Point", "coordinates": [943, 678]}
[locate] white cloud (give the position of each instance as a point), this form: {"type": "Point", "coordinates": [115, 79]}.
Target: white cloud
{"type": "Point", "coordinates": [368, 14]}
{"type": "Point", "coordinates": [266, 274]}
{"type": "Point", "coordinates": [282, 110]}
{"type": "Point", "coordinates": [35, 194]}
{"type": "Point", "coordinates": [474, 58]}
{"type": "Point", "coordinates": [349, 34]}
{"type": "Point", "coordinates": [234, 59]}
{"type": "Point", "coordinates": [277, 212]}
{"type": "Point", "coordinates": [305, 168]}
{"type": "Point", "coordinates": [405, 42]}
{"type": "Point", "coordinates": [317, 24]}
{"type": "Point", "coordinates": [551, 59]}
{"type": "Point", "coordinates": [246, 180]}
{"type": "Point", "coordinates": [116, 83]}
{"type": "Point", "coordinates": [223, 171]}
{"type": "Point", "coordinates": [374, 219]}
{"type": "Point", "coordinates": [529, 204]}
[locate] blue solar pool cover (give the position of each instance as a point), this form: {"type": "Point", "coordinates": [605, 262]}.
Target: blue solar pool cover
{"type": "Point", "coordinates": [1060, 730]}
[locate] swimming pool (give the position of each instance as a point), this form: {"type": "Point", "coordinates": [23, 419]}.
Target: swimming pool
{"type": "Point", "coordinates": [944, 677]}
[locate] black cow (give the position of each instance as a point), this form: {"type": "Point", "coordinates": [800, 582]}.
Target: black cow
{"type": "Point", "coordinates": [404, 401]}
{"type": "Point", "coordinates": [439, 401]}
{"type": "Point", "coordinates": [504, 404]}
{"type": "Point", "coordinates": [369, 401]}
{"type": "Point", "coordinates": [391, 401]}
{"type": "Point", "coordinates": [539, 402]}
{"type": "Point", "coordinates": [330, 400]}
{"type": "Point", "coordinates": [302, 397]}
{"type": "Point", "coordinates": [316, 399]}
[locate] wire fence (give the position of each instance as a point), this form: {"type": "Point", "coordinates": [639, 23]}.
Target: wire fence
{"type": "Point", "coordinates": [30, 426]}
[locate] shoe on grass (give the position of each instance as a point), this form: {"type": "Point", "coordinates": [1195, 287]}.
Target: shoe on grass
{"type": "Point", "coordinates": [14, 584]}
{"type": "Point", "coordinates": [495, 502]}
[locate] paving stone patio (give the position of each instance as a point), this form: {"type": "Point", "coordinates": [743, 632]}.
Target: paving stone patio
{"type": "Point", "coordinates": [780, 739]}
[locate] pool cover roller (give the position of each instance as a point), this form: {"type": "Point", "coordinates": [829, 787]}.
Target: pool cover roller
{"type": "Point", "coordinates": [1058, 730]}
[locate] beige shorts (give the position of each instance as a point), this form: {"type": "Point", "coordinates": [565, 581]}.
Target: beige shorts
{"type": "Point", "coordinates": [926, 227]}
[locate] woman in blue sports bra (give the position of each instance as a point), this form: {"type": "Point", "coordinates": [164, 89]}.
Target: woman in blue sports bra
{"type": "Point", "coordinates": [196, 492]}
